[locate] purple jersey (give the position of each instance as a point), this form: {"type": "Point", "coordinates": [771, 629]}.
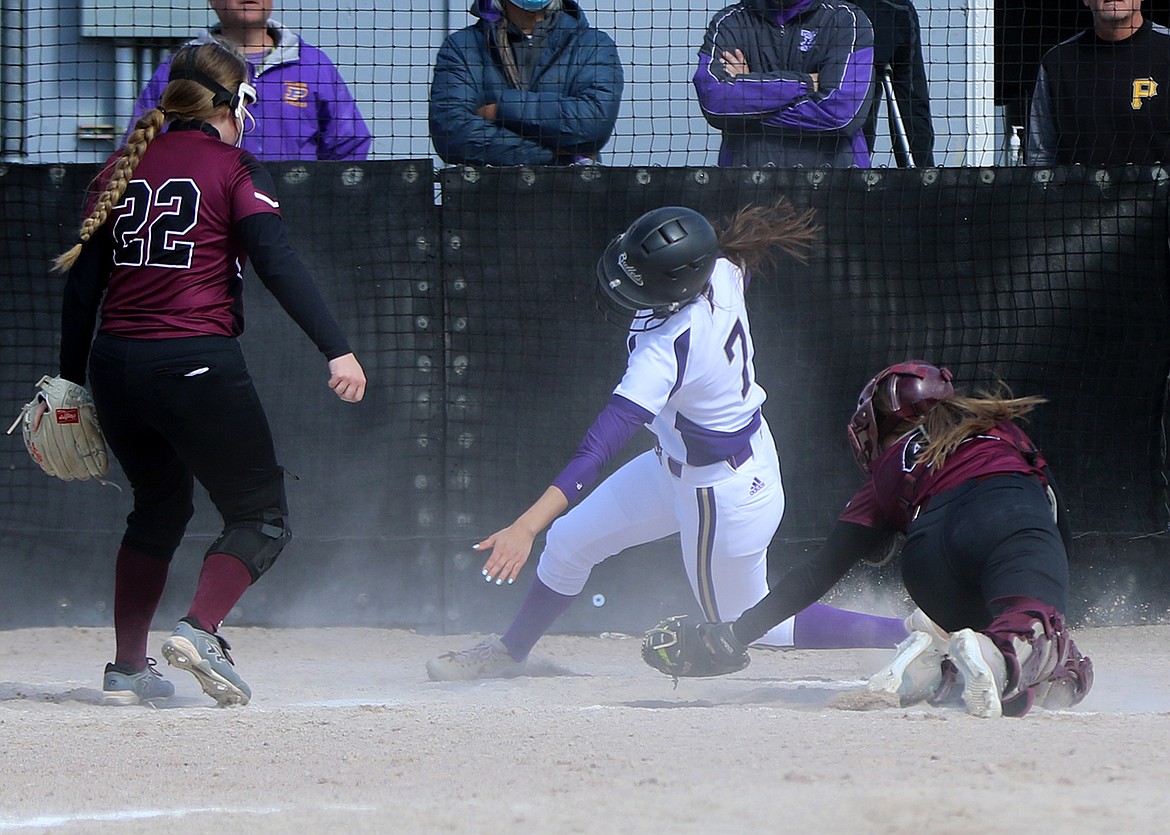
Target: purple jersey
{"type": "Point", "coordinates": [177, 261]}
{"type": "Point", "coordinates": [898, 485]}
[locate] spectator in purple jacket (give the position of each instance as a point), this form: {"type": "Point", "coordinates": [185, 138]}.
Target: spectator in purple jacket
{"type": "Point", "coordinates": [304, 109]}
{"type": "Point", "coordinates": [788, 82]}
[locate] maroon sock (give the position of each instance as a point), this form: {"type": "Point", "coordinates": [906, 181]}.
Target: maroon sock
{"type": "Point", "coordinates": [138, 586]}
{"type": "Point", "coordinates": [222, 583]}
{"type": "Point", "coordinates": [824, 627]}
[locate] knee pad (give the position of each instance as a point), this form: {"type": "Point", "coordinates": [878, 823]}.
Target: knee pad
{"type": "Point", "coordinates": [255, 527]}
{"type": "Point", "coordinates": [256, 546]}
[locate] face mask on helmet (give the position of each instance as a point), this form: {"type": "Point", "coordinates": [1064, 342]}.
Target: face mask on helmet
{"type": "Point", "coordinates": [902, 392]}
{"type": "Point", "coordinates": [662, 263]}
{"type": "Point", "coordinates": [530, 5]}
{"type": "Point", "coordinates": [245, 95]}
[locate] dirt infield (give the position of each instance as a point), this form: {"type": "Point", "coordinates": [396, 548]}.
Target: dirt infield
{"type": "Point", "coordinates": [346, 734]}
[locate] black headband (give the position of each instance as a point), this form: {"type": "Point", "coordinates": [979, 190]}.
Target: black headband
{"type": "Point", "coordinates": [219, 93]}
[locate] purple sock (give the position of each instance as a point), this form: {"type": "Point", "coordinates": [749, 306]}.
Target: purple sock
{"type": "Point", "coordinates": [540, 608]}
{"type": "Point", "coordinates": [824, 627]}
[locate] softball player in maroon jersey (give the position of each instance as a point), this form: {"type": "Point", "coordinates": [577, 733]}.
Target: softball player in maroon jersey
{"type": "Point", "coordinates": [165, 240]}
{"type": "Point", "coordinates": [986, 551]}
{"type": "Point", "coordinates": [714, 477]}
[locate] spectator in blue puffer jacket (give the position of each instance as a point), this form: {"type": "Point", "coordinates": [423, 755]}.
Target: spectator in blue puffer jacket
{"type": "Point", "coordinates": [529, 83]}
{"type": "Point", "coordinates": [788, 82]}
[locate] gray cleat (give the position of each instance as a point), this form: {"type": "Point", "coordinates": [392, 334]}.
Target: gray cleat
{"type": "Point", "coordinates": [487, 659]}
{"type": "Point", "coordinates": [123, 686]}
{"type": "Point", "coordinates": [204, 655]}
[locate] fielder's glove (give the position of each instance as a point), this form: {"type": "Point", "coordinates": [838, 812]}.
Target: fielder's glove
{"type": "Point", "coordinates": [685, 650]}
{"type": "Point", "coordinates": [68, 444]}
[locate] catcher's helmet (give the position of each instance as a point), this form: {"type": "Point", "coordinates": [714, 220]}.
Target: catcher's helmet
{"type": "Point", "coordinates": [905, 391]}
{"type": "Point", "coordinates": [659, 265]}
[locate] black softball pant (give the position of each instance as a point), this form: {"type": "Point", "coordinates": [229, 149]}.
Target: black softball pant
{"type": "Point", "coordinates": [174, 410]}
{"type": "Point", "coordinates": [982, 541]}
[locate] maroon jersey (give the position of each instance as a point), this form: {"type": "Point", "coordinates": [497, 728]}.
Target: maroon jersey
{"type": "Point", "coordinates": [177, 262]}
{"type": "Point", "coordinates": [897, 485]}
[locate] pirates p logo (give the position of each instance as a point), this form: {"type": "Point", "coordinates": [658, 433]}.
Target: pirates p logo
{"type": "Point", "coordinates": [1143, 88]}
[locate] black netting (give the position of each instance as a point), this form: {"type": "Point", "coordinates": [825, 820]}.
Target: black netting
{"type": "Point", "coordinates": [475, 319]}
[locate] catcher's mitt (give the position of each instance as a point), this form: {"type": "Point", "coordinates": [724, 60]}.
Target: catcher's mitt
{"type": "Point", "coordinates": [685, 650]}
{"type": "Point", "coordinates": [68, 443]}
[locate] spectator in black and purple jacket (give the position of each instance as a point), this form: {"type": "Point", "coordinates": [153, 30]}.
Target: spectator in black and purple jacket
{"type": "Point", "coordinates": [788, 82]}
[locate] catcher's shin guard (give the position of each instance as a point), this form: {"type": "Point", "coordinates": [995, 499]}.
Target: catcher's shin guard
{"type": "Point", "coordinates": [1069, 684]}
{"type": "Point", "coordinates": [1038, 653]}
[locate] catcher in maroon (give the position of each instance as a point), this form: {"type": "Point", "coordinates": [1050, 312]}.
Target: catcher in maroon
{"type": "Point", "coordinates": [985, 556]}
{"type": "Point", "coordinates": [175, 215]}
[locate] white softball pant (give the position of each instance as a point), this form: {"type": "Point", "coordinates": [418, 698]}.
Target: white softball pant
{"type": "Point", "coordinates": [725, 516]}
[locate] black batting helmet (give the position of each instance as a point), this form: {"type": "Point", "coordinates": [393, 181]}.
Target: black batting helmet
{"type": "Point", "coordinates": [659, 265]}
{"type": "Point", "coordinates": [905, 391]}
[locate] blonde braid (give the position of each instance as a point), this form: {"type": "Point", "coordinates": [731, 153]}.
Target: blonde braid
{"type": "Point", "coordinates": [146, 129]}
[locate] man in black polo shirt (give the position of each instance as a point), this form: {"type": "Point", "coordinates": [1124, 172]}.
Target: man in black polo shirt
{"type": "Point", "coordinates": [1103, 96]}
